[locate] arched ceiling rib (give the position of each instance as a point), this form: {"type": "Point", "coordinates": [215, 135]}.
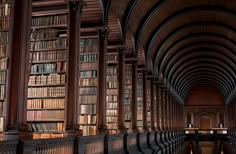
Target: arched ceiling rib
{"type": "Point", "coordinates": [211, 68]}
{"type": "Point", "coordinates": [210, 75]}
{"type": "Point", "coordinates": [185, 42]}
{"type": "Point", "coordinates": [201, 81]}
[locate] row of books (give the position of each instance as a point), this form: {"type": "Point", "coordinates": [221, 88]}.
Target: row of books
{"type": "Point", "coordinates": [112, 57]}
{"type": "Point", "coordinates": [88, 99]}
{"type": "Point", "coordinates": [88, 86]}
{"type": "Point", "coordinates": [111, 112]}
{"type": "Point", "coordinates": [111, 119]}
{"type": "Point", "coordinates": [54, 55]}
{"type": "Point", "coordinates": [50, 44]}
{"type": "Point", "coordinates": [2, 108]}
{"type": "Point", "coordinates": [4, 37]}
{"type": "Point", "coordinates": [46, 34]}
{"type": "Point", "coordinates": [139, 123]}
{"type": "Point", "coordinates": [128, 125]}
{"type": "Point", "coordinates": [148, 102]}
{"type": "Point", "coordinates": [112, 105]}
{"type": "Point", "coordinates": [47, 127]}
{"type": "Point", "coordinates": [48, 68]}
{"type": "Point", "coordinates": [3, 63]}
{"type": "Point", "coordinates": [128, 89]}
{"type": "Point", "coordinates": [5, 8]}
{"type": "Point", "coordinates": [140, 114]}
{"type": "Point", "coordinates": [88, 82]}
{"type": "Point", "coordinates": [2, 91]}
{"type": "Point", "coordinates": [127, 116]}
{"type": "Point", "coordinates": [4, 23]}
{"type": "Point", "coordinates": [1, 124]}
{"type": "Point", "coordinates": [91, 65]}
{"type": "Point", "coordinates": [49, 20]}
{"type": "Point", "coordinates": [88, 49]}
{"type": "Point", "coordinates": [112, 126]}
{"type": "Point", "coordinates": [3, 50]}
{"type": "Point", "coordinates": [127, 109]}
{"type": "Point", "coordinates": [88, 130]}
{"type": "Point", "coordinates": [87, 119]}
{"type": "Point", "coordinates": [88, 74]}
{"type": "Point", "coordinates": [128, 81]}
{"type": "Point", "coordinates": [88, 109]}
{"type": "Point", "coordinates": [127, 101]}
{"type": "Point", "coordinates": [5, 12]}
{"type": "Point", "coordinates": [45, 103]}
{"type": "Point", "coordinates": [88, 43]}
{"type": "Point", "coordinates": [88, 58]}
{"type": "Point", "coordinates": [45, 115]}
{"type": "Point", "coordinates": [112, 78]}
{"type": "Point", "coordinates": [128, 95]}
{"type": "Point", "coordinates": [46, 91]}
{"type": "Point", "coordinates": [3, 77]}
{"type": "Point", "coordinates": [112, 91]}
{"type": "Point", "coordinates": [112, 70]}
{"type": "Point", "coordinates": [50, 79]}
{"type": "Point", "coordinates": [112, 98]}
{"type": "Point", "coordinates": [88, 90]}
{"type": "Point", "coordinates": [112, 84]}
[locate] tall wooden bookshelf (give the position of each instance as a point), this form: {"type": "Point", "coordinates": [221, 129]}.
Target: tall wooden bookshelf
{"type": "Point", "coordinates": [148, 102]}
{"type": "Point", "coordinates": [140, 101]}
{"type": "Point", "coordinates": [47, 80]}
{"type": "Point", "coordinates": [128, 96]}
{"type": "Point", "coordinates": [5, 18]}
{"type": "Point", "coordinates": [88, 84]}
{"type": "Point", "coordinates": [112, 85]}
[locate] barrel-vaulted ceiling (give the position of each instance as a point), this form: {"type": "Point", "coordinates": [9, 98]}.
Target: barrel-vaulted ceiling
{"type": "Point", "coordinates": [184, 43]}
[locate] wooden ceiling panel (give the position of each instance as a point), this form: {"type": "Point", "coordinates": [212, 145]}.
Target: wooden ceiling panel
{"type": "Point", "coordinates": [200, 19]}
{"type": "Point", "coordinates": [139, 12]}
{"type": "Point", "coordinates": [119, 7]}
{"type": "Point", "coordinates": [114, 35]}
{"type": "Point", "coordinates": [175, 8]}
{"type": "Point", "coordinates": [91, 12]}
{"type": "Point", "coordinates": [129, 43]}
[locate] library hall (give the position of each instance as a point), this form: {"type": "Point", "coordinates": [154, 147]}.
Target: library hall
{"type": "Point", "coordinates": [117, 77]}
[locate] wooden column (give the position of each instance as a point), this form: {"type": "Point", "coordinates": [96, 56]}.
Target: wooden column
{"type": "Point", "coordinates": [163, 102]}
{"type": "Point", "coordinates": [18, 66]}
{"type": "Point", "coordinates": [157, 107]}
{"type": "Point", "coordinates": [144, 101]}
{"type": "Point", "coordinates": [121, 125]}
{"type": "Point", "coordinates": [175, 115]}
{"type": "Point", "coordinates": [102, 81]}
{"type": "Point", "coordinates": [160, 111]}
{"type": "Point", "coordinates": [134, 96]}
{"type": "Point", "coordinates": [171, 112]}
{"type": "Point", "coordinates": [152, 104]}
{"type": "Point", "coordinates": [167, 111]}
{"type": "Point", "coordinates": [73, 66]}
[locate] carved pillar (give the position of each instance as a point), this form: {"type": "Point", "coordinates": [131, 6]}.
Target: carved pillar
{"type": "Point", "coordinates": [152, 105]}
{"type": "Point", "coordinates": [134, 96]}
{"type": "Point", "coordinates": [121, 125]}
{"type": "Point", "coordinates": [160, 111]}
{"type": "Point", "coordinates": [171, 112]}
{"type": "Point", "coordinates": [102, 81]}
{"type": "Point", "coordinates": [163, 102]}
{"type": "Point", "coordinates": [18, 66]}
{"type": "Point", "coordinates": [73, 66]}
{"type": "Point", "coordinates": [167, 111]}
{"type": "Point", "coordinates": [144, 101]}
